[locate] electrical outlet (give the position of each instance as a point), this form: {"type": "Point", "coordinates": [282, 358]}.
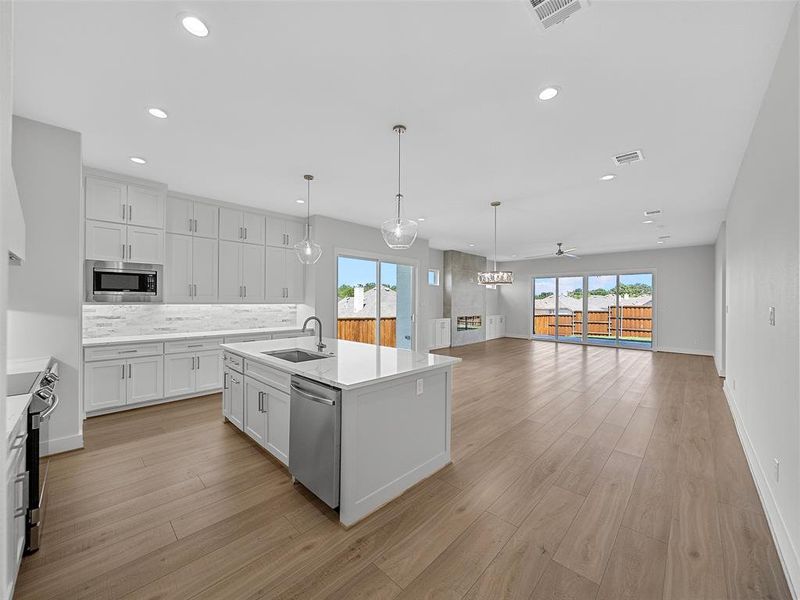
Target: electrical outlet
{"type": "Point", "coordinates": [777, 469]}
{"type": "Point", "coordinates": [420, 387]}
{"type": "Point", "coordinates": [772, 316]}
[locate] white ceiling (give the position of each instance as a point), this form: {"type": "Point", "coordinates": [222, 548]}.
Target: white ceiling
{"type": "Point", "coordinates": [280, 89]}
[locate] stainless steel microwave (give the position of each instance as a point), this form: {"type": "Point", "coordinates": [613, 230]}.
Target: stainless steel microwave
{"type": "Point", "coordinates": [122, 282]}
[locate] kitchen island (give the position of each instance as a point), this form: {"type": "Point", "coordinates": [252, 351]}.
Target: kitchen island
{"type": "Point", "coordinates": [394, 420]}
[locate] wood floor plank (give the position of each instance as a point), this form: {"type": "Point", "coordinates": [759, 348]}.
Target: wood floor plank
{"type": "Point", "coordinates": [171, 502]}
{"type": "Point", "coordinates": [588, 543]}
{"type": "Point", "coordinates": [516, 570]}
{"type": "Point", "coordinates": [635, 569]}
{"type": "Point", "coordinates": [752, 566]}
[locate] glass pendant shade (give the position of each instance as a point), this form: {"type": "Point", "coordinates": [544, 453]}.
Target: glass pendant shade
{"type": "Point", "coordinates": [308, 252]}
{"type": "Point", "coordinates": [399, 233]}
{"type": "Point", "coordinates": [495, 278]}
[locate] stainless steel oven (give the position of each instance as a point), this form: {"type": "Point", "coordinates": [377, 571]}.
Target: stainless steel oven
{"type": "Point", "coordinates": [122, 282]}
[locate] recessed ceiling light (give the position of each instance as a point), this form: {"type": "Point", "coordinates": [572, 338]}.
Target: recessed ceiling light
{"type": "Point", "coordinates": [608, 177]}
{"type": "Point", "coordinates": [472, 245]}
{"type": "Point", "coordinates": [513, 256]}
{"type": "Point", "coordinates": [660, 242]}
{"type": "Point", "coordinates": [548, 93]}
{"type": "Point", "coordinates": [300, 201]}
{"type": "Point", "coordinates": [157, 113]}
{"type": "Point", "coordinates": [420, 219]}
{"type": "Point", "coordinates": [138, 160]}
{"type": "Point", "coordinates": [194, 25]}
{"type": "Point", "coordinates": [647, 221]}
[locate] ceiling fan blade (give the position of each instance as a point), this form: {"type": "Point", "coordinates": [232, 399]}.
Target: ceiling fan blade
{"type": "Point", "coordinates": [549, 255]}
{"type": "Point", "coordinates": [570, 255]}
{"type": "Point", "coordinates": [570, 250]}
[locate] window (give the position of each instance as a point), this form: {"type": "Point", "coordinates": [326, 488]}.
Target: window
{"type": "Point", "coordinates": [433, 276]}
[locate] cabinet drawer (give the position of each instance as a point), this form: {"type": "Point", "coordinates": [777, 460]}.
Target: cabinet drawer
{"type": "Point", "coordinates": [291, 334]}
{"type": "Point", "coordinates": [268, 375]}
{"type": "Point", "coordinates": [233, 361]}
{"type": "Point", "coordinates": [16, 440]}
{"type": "Point", "coordinates": [197, 345]}
{"type": "Point", "coordinates": [251, 337]}
{"type": "Point", "coordinates": [122, 351]}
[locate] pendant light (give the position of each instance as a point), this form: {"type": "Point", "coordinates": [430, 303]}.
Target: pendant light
{"type": "Point", "coordinates": [399, 233]}
{"type": "Point", "coordinates": [308, 252]}
{"type": "Point", "coordinates": [493, 278]}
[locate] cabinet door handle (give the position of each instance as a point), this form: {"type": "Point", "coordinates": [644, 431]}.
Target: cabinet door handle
{"type": "Point", "coordinates": [190, 290]}
{"type": "Point", "coordinates": [245, 291]}
{"type": "Point", "coordinates": [198, 362]}
{"type": "Point", "coordinates": [192, 364]}
{"type": "Point", "coordinates": [130, 370]}
{"type": "Point", "coordinates": [241, 236]}
{"type": "Point", "coordinates": [190, 225]}
{"type": "Point", "coordinates": [195, 290]}
{"type": "Point", "coordinates": [123, 372]}
{"type": "Point", "coordinates": [245, 233]}
{"type": "Point", "coordinates": [19, 441]}
{"type": "Point", "coordinates": [195, 225]}
{"type": "Point", "coordinates": [130, 252]}
{"type": "Point", "coordinates": [225, 381]}
{"type": "Point", "coordinates": [130, 212]}
{"type": "Point", "coordinates": [123, 251]}
{"type": "Point", "coordinates": [123, 212]}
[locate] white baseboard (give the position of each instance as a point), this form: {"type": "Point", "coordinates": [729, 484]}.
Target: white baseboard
{"type": "Point", "coordinates": [517, 336]}
{"type": "Point", "coordinates": [64, 444]}
{"type": "Point", "coordinates": [684, 351]}
{"type": "Point", "coordinates": [790, 558]}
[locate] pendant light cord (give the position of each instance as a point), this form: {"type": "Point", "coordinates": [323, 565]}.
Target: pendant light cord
{"type": "Point", "coordinates": [399, 195]}
{"type": "Point", "coordinates": [495, 238]}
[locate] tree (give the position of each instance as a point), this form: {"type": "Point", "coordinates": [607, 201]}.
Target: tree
{"type": "Point", "coordinates": [543, 295]}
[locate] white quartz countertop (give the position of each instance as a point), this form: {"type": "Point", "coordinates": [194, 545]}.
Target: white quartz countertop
{"type": "Point", "coordinates": [183, 335]}
{"type": "Point", "coordinates": [352, 364]}
{"type": "Point", "coordinates": [17, 405]}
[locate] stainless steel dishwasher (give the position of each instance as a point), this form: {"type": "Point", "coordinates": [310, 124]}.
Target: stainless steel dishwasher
{"type": "Point", "coordinates": [315, 428]}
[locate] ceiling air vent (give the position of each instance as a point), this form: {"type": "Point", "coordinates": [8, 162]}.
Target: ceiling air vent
{"type": "Point", "coordinates": [652, 213]}
{"type": "Point", "coordinates": [552, 12]}
{"type": "Point", "coordinates": [627, 158]}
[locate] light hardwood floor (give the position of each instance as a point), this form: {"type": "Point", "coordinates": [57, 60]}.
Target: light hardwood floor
{"type": "Point", "coordinates": [577, 472]}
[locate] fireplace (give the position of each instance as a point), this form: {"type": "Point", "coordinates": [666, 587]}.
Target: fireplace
{"type": "Point", "coordinates": [468, 323]}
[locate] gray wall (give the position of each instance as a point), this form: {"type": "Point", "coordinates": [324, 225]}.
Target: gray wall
{"type": "Point", "coordinates": [334, 235]}
{"type": "Point", "coordinates": [720, 301]}
{"type": "Point", "coordinates": [761, 243]}
{"type": "Point", "coordinates": [463, 297]}
{"type": "Point", "coordinates": [44, 303]}
{"type": "Point", "coordinates": [684, 292]}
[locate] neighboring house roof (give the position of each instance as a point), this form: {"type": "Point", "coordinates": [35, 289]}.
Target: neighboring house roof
{"type": "Point", "coordinates": [595, 302]}
{"type": "Point", "coordinates": [346, 308]}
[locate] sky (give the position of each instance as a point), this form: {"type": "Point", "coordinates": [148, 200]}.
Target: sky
{"type": "Point", "coordinates": [356, 270]}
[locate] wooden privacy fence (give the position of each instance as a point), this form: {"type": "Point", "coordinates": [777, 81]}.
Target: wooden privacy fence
{"type": "Point", "coordinates": [635, 322]}
{"type": "Point", "coordinates": [363, 330]}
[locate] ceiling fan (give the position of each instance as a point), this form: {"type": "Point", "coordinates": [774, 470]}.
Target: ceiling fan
{"type": "Point", "coordinates": [559, 253]}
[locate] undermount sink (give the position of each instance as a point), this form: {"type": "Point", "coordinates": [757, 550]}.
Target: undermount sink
{"type": "Point", "coordinates": [297, 355]}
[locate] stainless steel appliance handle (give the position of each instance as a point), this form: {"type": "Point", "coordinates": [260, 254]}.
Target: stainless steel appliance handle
{"type": "Point", "coordinates": [24, 479]}
{"type": "Point", "coordinates": [312, 397]}
{"type": "Point", "coordinates": [46, 414]}
{"type": "Point", "coordinates": [19, 444]}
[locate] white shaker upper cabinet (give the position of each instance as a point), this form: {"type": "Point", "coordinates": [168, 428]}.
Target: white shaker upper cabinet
{"type": "Point", "coordinates": [284, 276]}
{"type": "Point", "coordinates": [253, 273]}
{"type": "Point", "coordinates": [106, 200]}
{"type": "Point", "coordinates": [206, 220]}
{"type": "Point", "coordinates": [145, 207]}
{"type": "Point", "coordinates": [178, 268]}
{"type": "Point", "coordinates": [230, 272]}
{"type": "Point", "coordinates": [145, 245]}
{"type": "Point", "coordinates": [230, 225]}
{"type": "Point", "coordinates": [284, 232]}
{"type": "Point", "coordinates": [191, 217]}
{"type": "Point", "coordinates": [204, 269]}
{"type": "Point", "coordinates": [295, 278]}
{"type": "Point", "coordinates": [254, 228]}
{"type": "Point", "coordinates": [106, 241]}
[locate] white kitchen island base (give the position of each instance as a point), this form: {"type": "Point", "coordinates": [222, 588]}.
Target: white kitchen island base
{"type": "Point", "coordinates": [392, 438]}
{"type": "Point", "coordinates": [395, 412]}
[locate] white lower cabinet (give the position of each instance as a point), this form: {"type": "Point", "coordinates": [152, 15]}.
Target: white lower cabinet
{"type": "Point", "coordinates": [16, 505]}
{"type": "Point", "coordinates": [255, 410]}
{"type": "Point", "coordinates": [439, 333]}
{"type": "Point", "coordinates": [192, 372]}
{"type": "Point", "coordinates": [233, 397]}
{"type": "Point", "coordinates": [104, 384]}
{"type": "Point", "coordinates": [495, 327]}
{"type": "Point", "coordinates": [266, 417]}
{"type": "Point", "coordinates": [145, 379]}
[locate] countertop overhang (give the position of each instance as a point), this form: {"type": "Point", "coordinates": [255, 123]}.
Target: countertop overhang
{"type": "Point", "coordinates": [352, 364]}
{"type": "Point", "coordinates": [183, 335]}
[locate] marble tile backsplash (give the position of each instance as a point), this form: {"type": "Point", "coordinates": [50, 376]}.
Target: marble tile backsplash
{"type": "Point", "coordinates": [144, 319]}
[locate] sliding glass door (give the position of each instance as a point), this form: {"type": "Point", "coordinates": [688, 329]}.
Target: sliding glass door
{"type": "Point", "coordinates": [375, 302]}
{"type": "Point", "coordinates": [614, 309]}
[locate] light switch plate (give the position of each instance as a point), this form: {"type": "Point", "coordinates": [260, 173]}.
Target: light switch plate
{"type": "Point", "coordinates": [772, 315]}
{"type": "Point", "coordinates": [420, 387]}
